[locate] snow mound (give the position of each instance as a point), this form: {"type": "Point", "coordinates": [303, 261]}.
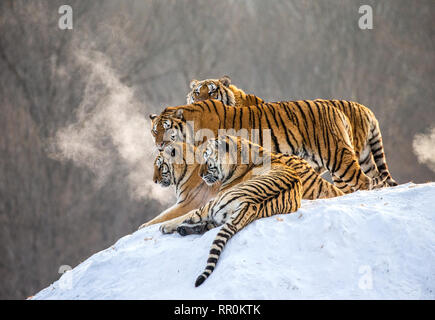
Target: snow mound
{"type": "Point", "coordinates": [367, 245]}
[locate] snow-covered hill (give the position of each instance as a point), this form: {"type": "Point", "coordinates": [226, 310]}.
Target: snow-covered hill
{"type": "Point", "coordinates": [367, 245]}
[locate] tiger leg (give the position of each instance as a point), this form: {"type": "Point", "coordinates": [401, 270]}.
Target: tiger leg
{"type": "Point", "coordinates": [203, 219]}
{"type": "Point", "coordinates": [368, 166]}
{"type": "Point", "coordinates": [377, 150]}
{"type": "Point", "coordinates": [343, 187]}
{"type": "Point", "coordinates": [190, 200]}
{"type": "Point", "coordinates": [170, 213]}
{"type": "Point", "coordinates": [196, 224]}
{"type": "Point", "coordinates": [314, 186]}
{"type": "Point", "coordinates": [367, 163]}
{"type": "Point", "coordinates": [348, 174]}
{"type": "Point", "coordinates": [198, 219]}
{"type": "Point", "coordinates": [214, 214]}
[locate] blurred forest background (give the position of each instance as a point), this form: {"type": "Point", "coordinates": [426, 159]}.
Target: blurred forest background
{"type": "Point", "coordinates": [74, 133]}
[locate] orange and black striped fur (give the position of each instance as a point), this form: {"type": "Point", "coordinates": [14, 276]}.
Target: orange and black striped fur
{"type": "Point", "coordinates": [250, 191]}
{"type": "Point", "coordinates": [313, 130]}
{"type": "Point", "coordinates": [313, 185]}
{"type": "Point", "coordinates": [176, 165]}
{"type": "Point", "coordinates": [367, 139]}
{"type": "Point", "coordinates": [220, 89]}
{"type": "Point", "coordinates": [191, 191]}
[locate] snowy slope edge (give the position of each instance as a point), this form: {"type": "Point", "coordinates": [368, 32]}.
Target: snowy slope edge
{"type": "Point", "coordinates": [367, 245]}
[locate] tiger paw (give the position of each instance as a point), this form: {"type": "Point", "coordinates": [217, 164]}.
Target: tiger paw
{"type": "Point", "coordinates": [168, 228]}
{"type": "Point", "coordinates": [185, 229]}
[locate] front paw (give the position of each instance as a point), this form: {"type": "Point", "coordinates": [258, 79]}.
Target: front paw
{"type": "Point", "coordinates": [168, 228]}
{"type": "Point", "coordinates": [186, 229]}
{"type": "Point", "coordinates": [182, 231]}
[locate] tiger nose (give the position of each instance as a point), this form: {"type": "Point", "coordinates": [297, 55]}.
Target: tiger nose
{"type": "Point", "coordinates": [160, 146]}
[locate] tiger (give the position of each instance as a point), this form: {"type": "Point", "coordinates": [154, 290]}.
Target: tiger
{"type": "Point", "coordinates": [311, 129]}
{"type": "Point", "coordinates": [220, 89]}
{"type": "Point", "coordinates": [190, 190]}
{"type": "Point", "coordinates": [250, 191]}
{"type": "Point", "coordinates": [367, 138]}
{"type": "Point", "coordinates": [171, 167]}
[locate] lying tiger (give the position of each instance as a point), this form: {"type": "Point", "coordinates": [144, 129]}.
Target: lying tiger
{"type": "Point", "coordinates": [367, 138]}
{"type": "Point", "coordinates": [313, 130]}
{"type": "Point", "coordinates": [249, 191]}
{"type": "Point", "coordinates": [172, 168]}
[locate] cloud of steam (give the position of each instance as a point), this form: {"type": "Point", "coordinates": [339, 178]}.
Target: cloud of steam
{"type": "Point", "coordinates": [111, 132]}
{"type": "Point", "coordinates": [424, 148]}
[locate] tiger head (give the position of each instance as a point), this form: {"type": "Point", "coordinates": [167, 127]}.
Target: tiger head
{"type": "Point", "coordinates": [167, 128]}
{"type": "Point", "coordinates": [170, 164]}
{"type": "Point", "coordinates": [221, 157]}
{"type": "Point", "coordinates": [211, 89]}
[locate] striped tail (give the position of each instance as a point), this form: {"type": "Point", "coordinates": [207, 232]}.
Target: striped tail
{"type": "Point", "coordinates": [224, 234]}
{"type": "Point", "coordinates": [377, 150]}
{"type": "Point", "coordinates": [243, 216]}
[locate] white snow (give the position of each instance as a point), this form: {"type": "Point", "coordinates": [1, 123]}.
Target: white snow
{"type": "Point", "coordinates": [366, 245]}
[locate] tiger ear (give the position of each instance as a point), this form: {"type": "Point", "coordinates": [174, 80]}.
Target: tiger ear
{"type": "Point", "coordinates": [153, 116]}
{"type": "Point", "coordinates": [179, 113]}
{"type": "Point", "coordinates": [193, 83]}
{"type": "Point", "coordinates": [226, 81]}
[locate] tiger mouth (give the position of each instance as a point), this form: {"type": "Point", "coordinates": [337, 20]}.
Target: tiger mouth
{"type": "Point", "coordinates": [165, 183]}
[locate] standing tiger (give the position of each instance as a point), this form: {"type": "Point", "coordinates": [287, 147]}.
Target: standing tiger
{"type": "Point", "coordinates": [367, 139]}
{"type": "Point", "coordinates": [250, 191]}
{"type": "Point", "coordinates": [313, 130]}
{"type": "Point", "coordinates": [172, 167]}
